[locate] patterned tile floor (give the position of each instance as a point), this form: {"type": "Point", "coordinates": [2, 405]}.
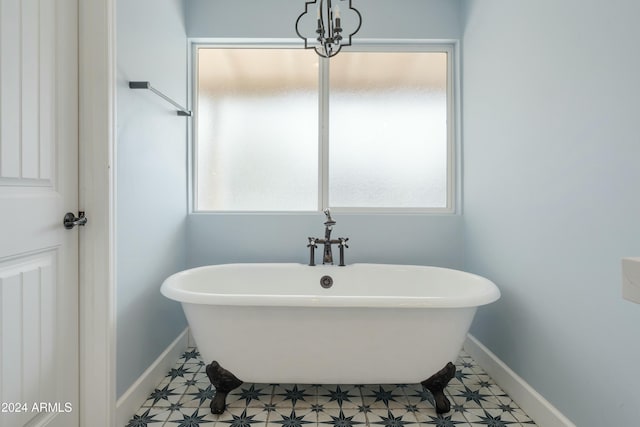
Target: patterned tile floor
{"type": "Point", "coordinates": [182, 400]}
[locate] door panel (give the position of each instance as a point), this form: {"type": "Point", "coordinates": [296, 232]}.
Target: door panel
{"type": "Point", "coordinates": [38, 184]}
{"type": "Point", "coordinates": [29, 324]}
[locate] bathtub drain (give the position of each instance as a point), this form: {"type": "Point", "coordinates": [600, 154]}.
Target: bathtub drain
{"type": "Point", "coordinates": [326, 282]}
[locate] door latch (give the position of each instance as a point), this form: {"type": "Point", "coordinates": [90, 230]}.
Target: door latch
{"type": "Point", "coordinates": [70, 220]}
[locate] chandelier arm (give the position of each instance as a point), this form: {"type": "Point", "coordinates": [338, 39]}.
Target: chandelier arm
{"type": "Point", "coordinates": [320, 52]}
{"type": "Point", "coordinates": [335, 52]}
{"type": "Point", "coordinates": [325, 52]}
{"type": "Point", "coordinates": [329, 34]}
{"type": "Point", "coordinates": [306, 10]}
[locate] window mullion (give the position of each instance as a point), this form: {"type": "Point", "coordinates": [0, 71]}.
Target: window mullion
{"type": "Point", "coordinates": [323, 137]}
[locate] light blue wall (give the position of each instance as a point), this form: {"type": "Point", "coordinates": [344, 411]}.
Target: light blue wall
{"type": "Point", "coordinates": [151, 197]}
{"type": "Point", "coordinates": [437, 19]}
{"type": "Point", "coordinates": [401, 239]}
{"type": "Point", "coordinates": [405, 239]}
{"type": "Point", "coordinates": [551, 175]}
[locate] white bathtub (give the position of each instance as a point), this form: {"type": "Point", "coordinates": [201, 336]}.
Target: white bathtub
{"type": "Point", "coordinates": [275, 323]}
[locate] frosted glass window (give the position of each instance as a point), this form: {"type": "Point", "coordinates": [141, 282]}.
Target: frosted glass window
{"type": "Point", "coordinates": [256, 130]}
{"type": "Point", "coordinates": [279, 129]}
{"type": "Point", "coordinates": [388, 139]}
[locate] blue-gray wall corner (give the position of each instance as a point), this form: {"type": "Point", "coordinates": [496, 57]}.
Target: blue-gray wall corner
{"type": "Point", "coordinates": [151, 188]}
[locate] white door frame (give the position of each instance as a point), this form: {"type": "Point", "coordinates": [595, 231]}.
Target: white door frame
{"type": "Point", "coordinates": [97, 240]}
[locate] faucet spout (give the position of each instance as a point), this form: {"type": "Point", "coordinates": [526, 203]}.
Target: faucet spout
{"type": "Point", "coordinates": [330, 221]}
{"type": "Point", "coordinates": [327, 255]}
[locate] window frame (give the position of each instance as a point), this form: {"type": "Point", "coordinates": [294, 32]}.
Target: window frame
{"type": "Point", "coordinates": [450, 47]}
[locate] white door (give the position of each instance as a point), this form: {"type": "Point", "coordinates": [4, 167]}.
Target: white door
{"type": "Point", "coordinates": [38, 184]}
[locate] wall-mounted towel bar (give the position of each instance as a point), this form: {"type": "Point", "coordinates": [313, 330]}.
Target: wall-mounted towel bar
{"type": "Point", "coordinates": [146, 85]}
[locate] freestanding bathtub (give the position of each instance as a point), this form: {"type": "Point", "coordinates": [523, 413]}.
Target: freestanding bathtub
{"type": "Point", "coordinates": [375, 324]}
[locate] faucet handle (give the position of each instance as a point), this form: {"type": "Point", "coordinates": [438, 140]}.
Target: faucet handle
{"type": "Point", "coordinates": [312, 250]}
{"type": "Point", "coordinates": [342, 243]}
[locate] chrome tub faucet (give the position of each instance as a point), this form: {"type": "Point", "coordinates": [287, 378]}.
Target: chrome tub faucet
{"type": "Point", "coordinates": [327, 255]}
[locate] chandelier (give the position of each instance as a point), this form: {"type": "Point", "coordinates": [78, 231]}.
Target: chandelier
{"type": "Point", "coordinates": [328, 39]}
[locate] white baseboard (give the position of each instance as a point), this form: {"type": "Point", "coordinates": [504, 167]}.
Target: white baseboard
{"type": "Point", "coordinates": [190, 340]}
{"type": "Point", "coordinates": [531, 402]}
{"type": "Point", "coordinates": [138, 393]}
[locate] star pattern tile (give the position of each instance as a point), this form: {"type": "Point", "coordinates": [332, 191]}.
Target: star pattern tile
{"type": "Point", "coordinates": [182, 400]}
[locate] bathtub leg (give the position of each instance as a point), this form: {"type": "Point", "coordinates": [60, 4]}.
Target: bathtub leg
{"type": "Point", "coordinates": [436, 384]}
{"type": "Point", "coordinates": [224, 381]}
